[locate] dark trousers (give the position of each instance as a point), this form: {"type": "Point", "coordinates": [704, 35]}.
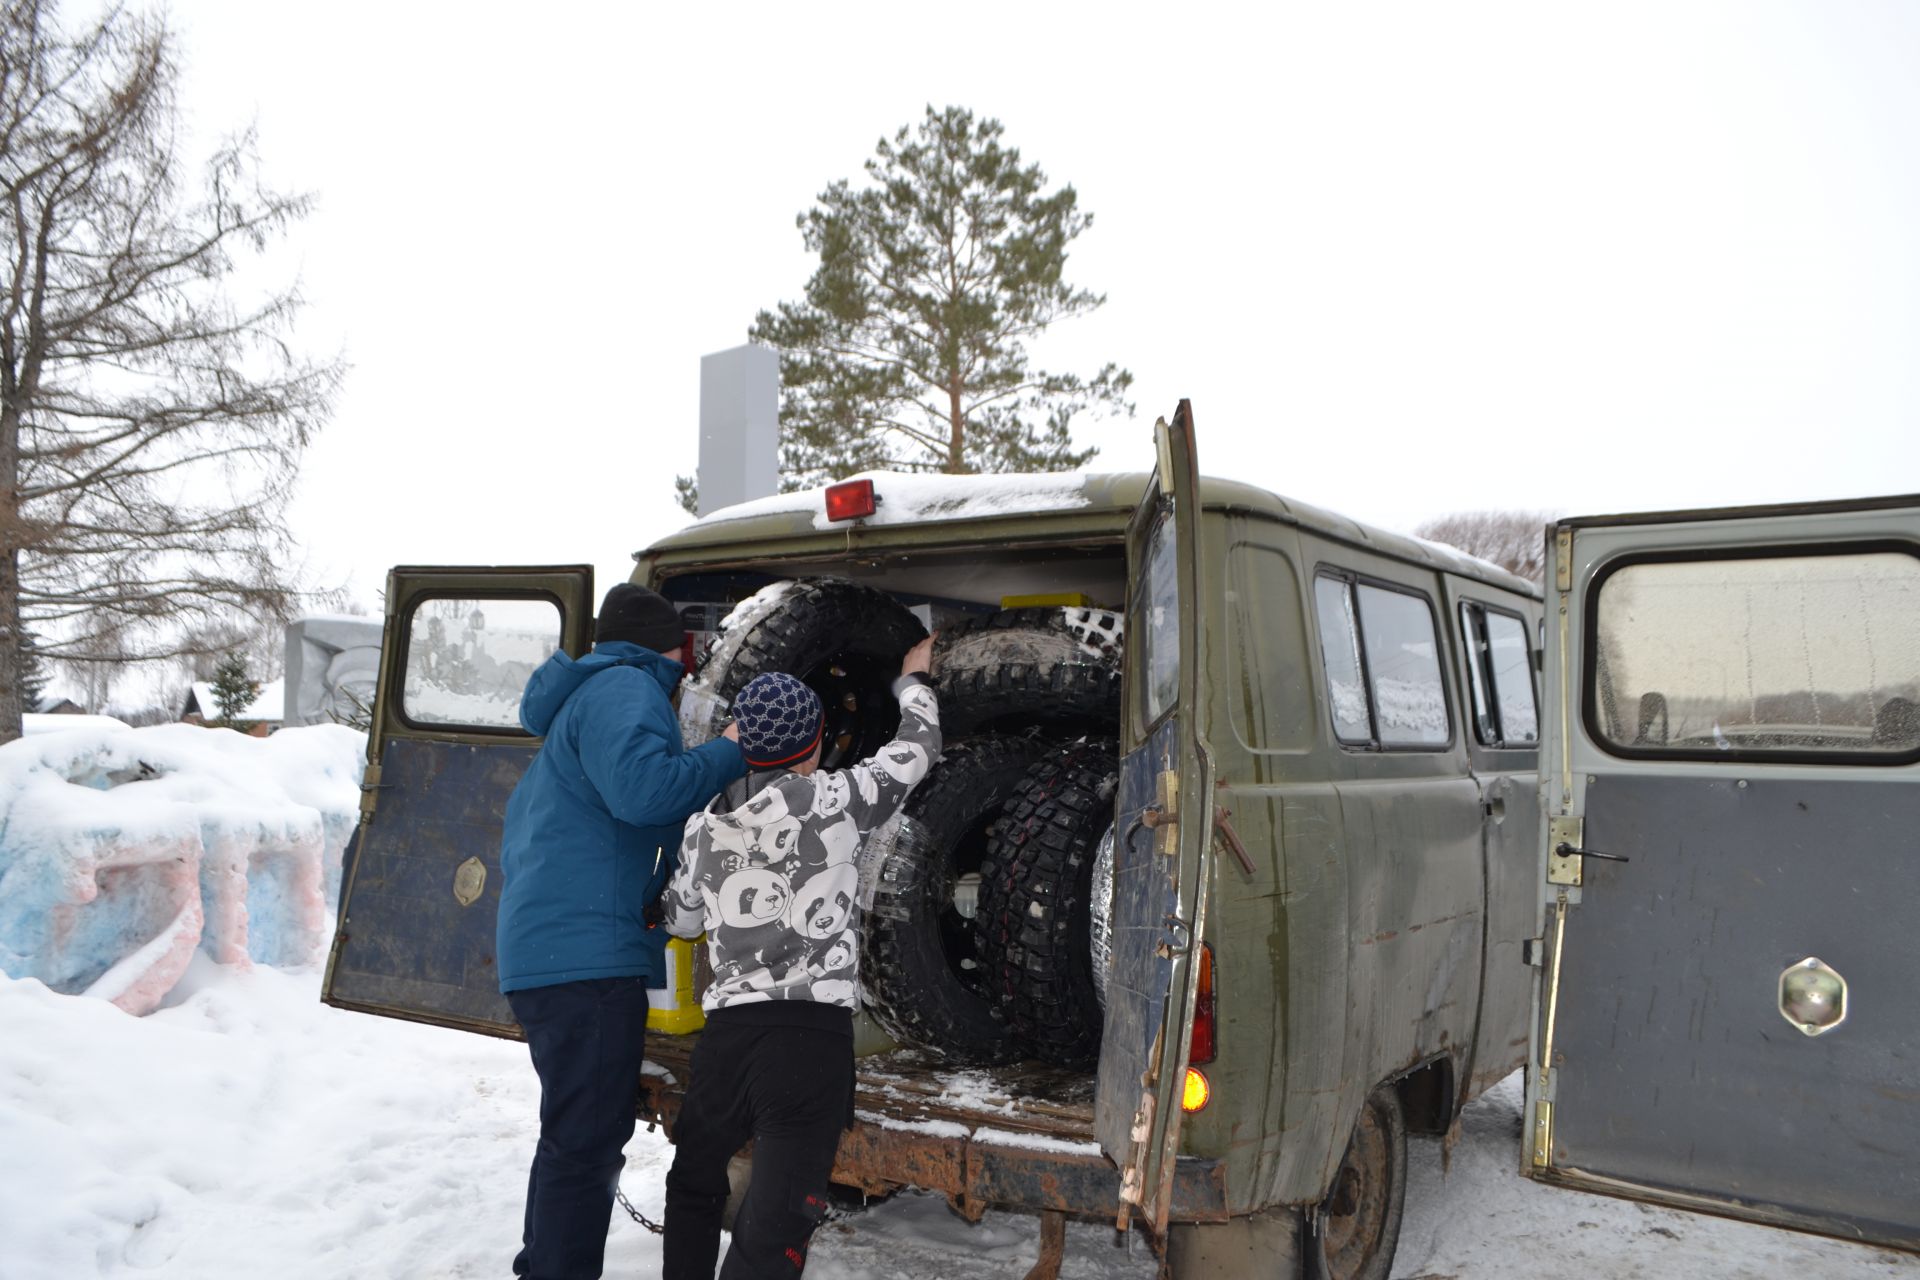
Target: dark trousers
{"type": "Point", "coordinates": [788, 1089]}
{"type": "Point", "coordinates": [587, 1040]}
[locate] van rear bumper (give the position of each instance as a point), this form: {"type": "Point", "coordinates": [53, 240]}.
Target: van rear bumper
{"type": "Point", "coordinates": [1037, 1160]}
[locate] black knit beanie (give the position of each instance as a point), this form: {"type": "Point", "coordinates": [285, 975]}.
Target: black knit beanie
{"type": "Point", "coordinates": [644, 617]}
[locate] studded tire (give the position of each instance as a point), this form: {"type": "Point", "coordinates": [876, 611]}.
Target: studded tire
{"type": "Point", "coordinates": [844, 639]}
{"type": "Point", "coordinates": [1054, 668]}
{"type": "Point", "coordinates": [919, 964]}
{"type": "Point", "coordinates": [1036, 908]}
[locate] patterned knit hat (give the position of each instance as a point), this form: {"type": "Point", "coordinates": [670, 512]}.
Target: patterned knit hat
{"type": "Point", "coordinates": [780, 720]}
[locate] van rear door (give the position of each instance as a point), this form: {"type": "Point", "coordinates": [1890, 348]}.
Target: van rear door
{"type": "Point", "coordinates": [1726, 1013]}
{"type": "Point", "coordinates": [1164, 816]}
{"type": "Point", "coordinates": [415, 937]}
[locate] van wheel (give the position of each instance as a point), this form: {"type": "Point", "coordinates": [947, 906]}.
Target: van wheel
{"type": "Point", "coordinates": [1057, 668]}
{"type": "Point", "coordinates": [1036, 893]}
{"type": "Point", "coordinates": [921, 966]}
{"type": "Point", "coordinates": [844, 639]}
{"type": "Point", "coordinates": [1360, 1218]}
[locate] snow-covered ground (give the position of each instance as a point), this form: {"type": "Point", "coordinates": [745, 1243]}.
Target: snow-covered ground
{"type": "Point", "coordinates": [245, 1130]}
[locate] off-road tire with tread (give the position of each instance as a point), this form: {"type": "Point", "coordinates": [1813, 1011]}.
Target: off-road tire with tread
{"type": "Point", "coordinates": [1055, 668]}
{"type": "Point", "coordinates": [1035, 894]}
{"type": "Point", "coordinates": [817, 627]}
{"type": "Point", "coordinates": [914, 939]}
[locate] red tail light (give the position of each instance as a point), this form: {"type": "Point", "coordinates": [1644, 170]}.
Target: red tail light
{"type": "Point", "coordinates": [1202, 1046]}
{"type": "Point", "coordinates": [850, 500]}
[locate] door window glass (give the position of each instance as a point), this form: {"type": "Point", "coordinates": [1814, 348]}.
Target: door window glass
{"type": "Point", "coordinates": [1500, 673]}
{"type": "Point", "coordinates": [468, 660]}
{"type": "Point", "coordinates": [1340, 650]}
{"type": "Point", "coordinates": [1511, 660]}
{"type": "Point", "coordinates": [1403, 668]}
{"type": "Point", "coordinates": [1759, 655]}
{"type": "Point", "coordinates": [1160, 614]}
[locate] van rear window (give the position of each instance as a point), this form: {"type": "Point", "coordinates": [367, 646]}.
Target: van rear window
{"type": "Point", "coordinates": [1769, 653]}
{"type": "Point", "coordinates": [468, 659]}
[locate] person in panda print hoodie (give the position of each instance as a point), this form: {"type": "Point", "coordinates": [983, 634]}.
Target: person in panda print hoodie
{"type": "Point", "coordinates": [770, 873]}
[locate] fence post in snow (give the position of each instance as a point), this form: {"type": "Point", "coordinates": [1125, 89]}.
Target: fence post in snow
{"type": "Point", "coordinates": [739, 426]}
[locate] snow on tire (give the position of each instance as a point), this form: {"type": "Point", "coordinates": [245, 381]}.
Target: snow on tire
{"type": "Point", "coordinates": [844, 639]}
{"type": "Point", "coordinates": [919, 964]}
{"type": "Point", "coordinates": [1057, 668]}
{"type": "Point", "coordinates": [1035, 920]}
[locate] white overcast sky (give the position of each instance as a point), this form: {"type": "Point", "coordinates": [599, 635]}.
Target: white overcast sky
{"type": "Point", "coordinates": [1405, 259]}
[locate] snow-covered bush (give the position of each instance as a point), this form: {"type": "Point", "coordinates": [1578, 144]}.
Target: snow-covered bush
{"type": "Point", "coordinates": [122, 850]}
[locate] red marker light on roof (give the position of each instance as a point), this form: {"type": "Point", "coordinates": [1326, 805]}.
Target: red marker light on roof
{"type": "Point", "coordinates": [850, 500]}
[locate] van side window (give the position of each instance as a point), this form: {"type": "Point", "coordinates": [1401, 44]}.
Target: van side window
{"type": "Point", "coordinates": [1340, 649]}
{"type": "Point", "coordinates": [1382, 658]}
{"type": "Point", "coordinates": [468, 660]}
{"type": "Point", "coordinates": [1758, 653]}
{"type": "Point", "coordinates": [1500, 670]}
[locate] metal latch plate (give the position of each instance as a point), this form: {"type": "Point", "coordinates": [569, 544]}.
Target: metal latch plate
{"type": "Point", "coordinates": [1564, 833]}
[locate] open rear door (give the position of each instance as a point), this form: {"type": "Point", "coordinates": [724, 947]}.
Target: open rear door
{"type": "Point", "coordinates": [1728, 1016]}
{"type": "Point", "coordinates": [1164, 817]}
{"type": "Point", "coordinates": [415, 937]}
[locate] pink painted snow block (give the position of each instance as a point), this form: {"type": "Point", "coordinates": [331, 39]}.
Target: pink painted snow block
{"type": "Point", "coordinates": [139, 903]}
{"type": "Point", "coordinates": [223, 895]}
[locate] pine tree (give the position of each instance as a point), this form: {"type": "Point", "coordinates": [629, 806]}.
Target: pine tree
{"type": "Point", "coordinates": [233, 688]}
{"type": "Point", "coordinates": [909, 350]}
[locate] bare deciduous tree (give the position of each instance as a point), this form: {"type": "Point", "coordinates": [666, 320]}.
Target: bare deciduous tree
{"type": "Point", "coordinates": [150, 422]}
{"type": "Point", "coordinates": [1514, 540]}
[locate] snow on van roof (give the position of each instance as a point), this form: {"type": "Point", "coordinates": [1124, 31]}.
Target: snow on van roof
{"type": "Point", "coordinates": [907, 497]}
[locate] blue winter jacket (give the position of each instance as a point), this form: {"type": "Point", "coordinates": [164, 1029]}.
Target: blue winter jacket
{"type": "Point", "coordinates": [593, 830]}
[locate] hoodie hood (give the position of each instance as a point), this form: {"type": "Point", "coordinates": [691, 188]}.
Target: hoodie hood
{"type": "Point", "coordinates": [560, 676]}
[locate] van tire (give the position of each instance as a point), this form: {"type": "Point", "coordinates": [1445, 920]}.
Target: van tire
{"type": "Point", "coordinates": [916, 944]}
{"type": "Point", "coordinates": [844, 639]}
{"type": "Point", "coordinates": [1055, 668]}
{"type": "Point", "coordinates": [1034, 917]}
{"type": "Point", "coordinates": [1360, 1218]}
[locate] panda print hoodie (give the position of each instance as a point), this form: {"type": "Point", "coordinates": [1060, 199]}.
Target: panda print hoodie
{"type": "Point", "coordinates": [769, 870]}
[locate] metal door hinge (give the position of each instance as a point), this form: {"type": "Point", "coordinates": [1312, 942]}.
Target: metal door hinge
{"type": "Point", "coordinates": [1563, 559]}
{"type": "Point", "coordinates": [370, 789]}
{"type": "Point", "coordinates": [1164, 816]}
{"type": "Point", "coordinates": [1542, 1134]}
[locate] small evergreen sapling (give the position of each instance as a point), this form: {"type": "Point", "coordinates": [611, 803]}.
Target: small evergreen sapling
{"type": "Point", "coordinates": [233, 689]}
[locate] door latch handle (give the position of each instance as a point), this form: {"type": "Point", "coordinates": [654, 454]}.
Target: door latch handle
{"type": "Point", "coordinates": [1569, 851]}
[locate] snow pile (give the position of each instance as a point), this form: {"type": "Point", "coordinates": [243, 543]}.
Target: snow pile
{"type": "Point", "coordinates": [32, 724]}
{"type": "Point", "coordinates": [909, 498]}
{"type": "Point", "coordinates": [124, 850]}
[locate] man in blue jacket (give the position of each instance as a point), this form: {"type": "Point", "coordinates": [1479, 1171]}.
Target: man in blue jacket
{"type": "Point", "coordinates": [592, 834]}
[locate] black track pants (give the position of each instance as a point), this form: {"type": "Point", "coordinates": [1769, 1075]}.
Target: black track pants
{"type": "Point", "coordinates": [787, 1089]}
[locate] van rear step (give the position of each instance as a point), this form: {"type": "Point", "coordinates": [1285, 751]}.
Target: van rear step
{"type": "Point", "coordinates": [1009, 1137]}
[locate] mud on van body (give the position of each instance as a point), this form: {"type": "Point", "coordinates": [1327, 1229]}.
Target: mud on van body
{"type": "Point", "coordinates": [1328, 784]}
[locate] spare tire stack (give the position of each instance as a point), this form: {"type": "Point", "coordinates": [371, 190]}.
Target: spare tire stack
{"type": "Point", "coordinates": [990, 902]}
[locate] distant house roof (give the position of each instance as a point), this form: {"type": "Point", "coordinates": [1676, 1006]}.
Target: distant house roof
{"type": "Point", "coordinates": [270, 706]}
{"type": "Point", "coordinates": [56, 705]}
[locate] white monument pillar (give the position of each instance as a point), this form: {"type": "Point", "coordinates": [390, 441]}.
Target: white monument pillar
{"type": "Point", "coordinates": [739, 426]}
